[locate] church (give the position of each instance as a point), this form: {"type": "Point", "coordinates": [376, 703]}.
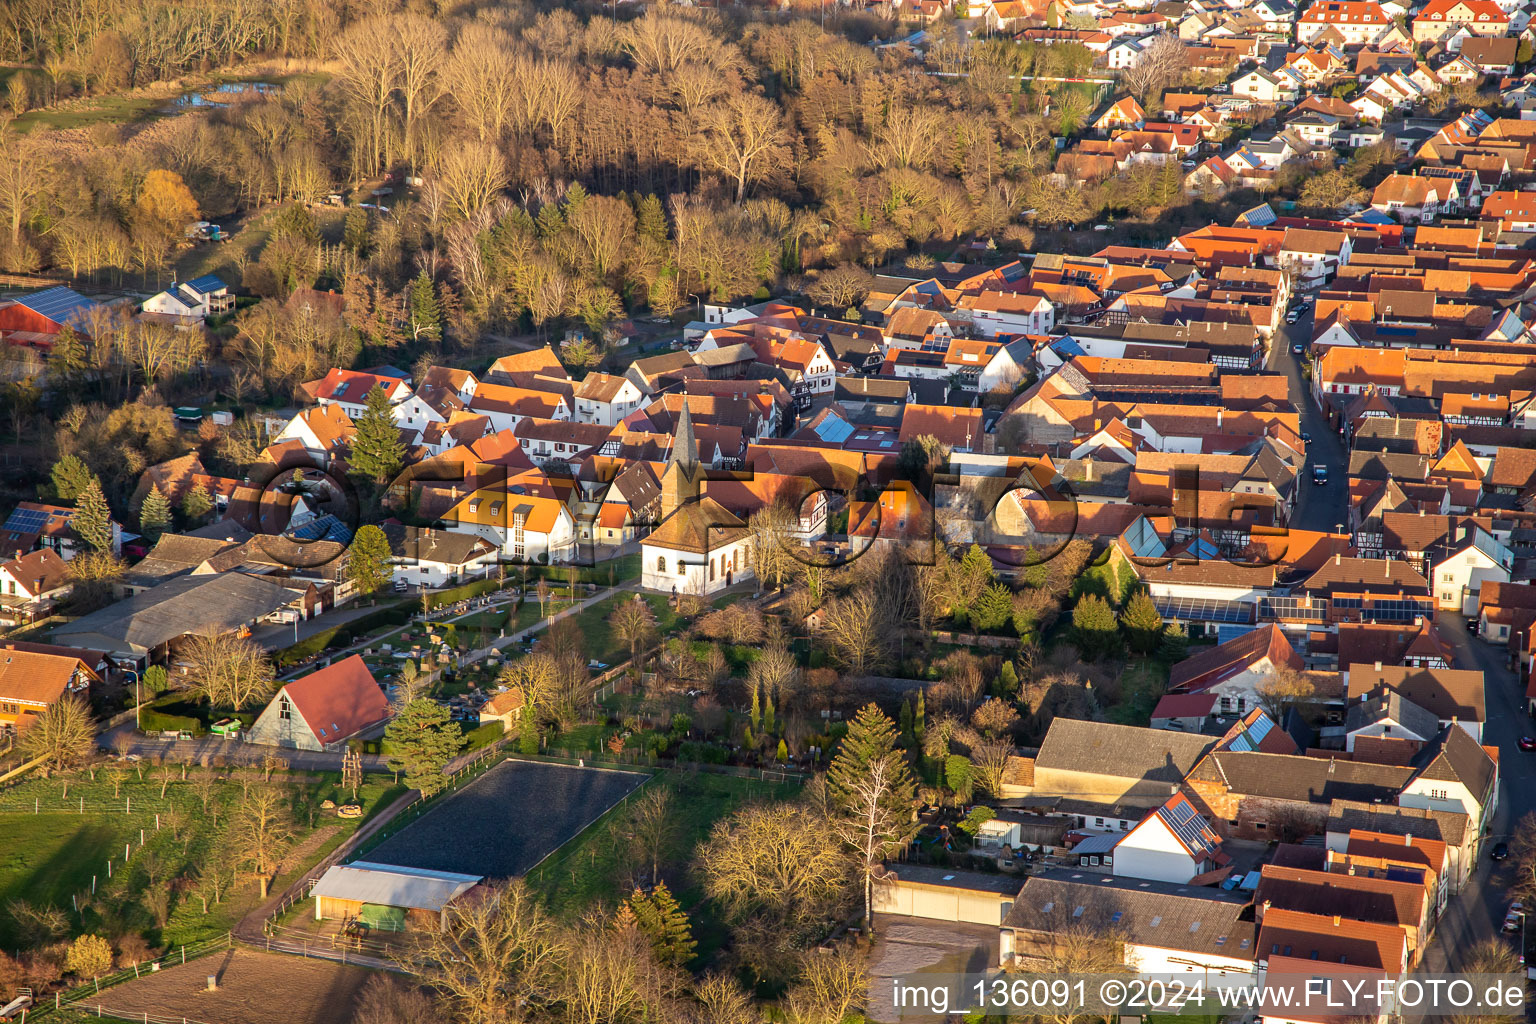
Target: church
{"type": "Point", "coordinates": [700, 547]}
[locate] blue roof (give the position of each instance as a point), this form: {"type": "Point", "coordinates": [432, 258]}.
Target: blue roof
{"type": "Point", "coordinates": [833, 429]}
{"type": "Point", "coordinates": [206, 284]}
{"type": "Point", "coordinates": [1231, 631]}
{"type": "Point", "coordinates": [1372, 217]}
{"type": "Point", "coordinates": [1067, 347]}
{"type": "Point", "coordinates": [326, 527]}
{"type": "Point", "coordinates": [61, 305]}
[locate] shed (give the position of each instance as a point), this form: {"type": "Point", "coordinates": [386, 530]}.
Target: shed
{"type": "Point", "coordinates": [384, 895]}
{"type": "Point", "coordinates": [941, 894]}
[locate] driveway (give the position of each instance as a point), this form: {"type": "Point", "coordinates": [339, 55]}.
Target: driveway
{"type": "Point", "coordinates": [1320, 508]}
{"type": "Point", "coordinates": [1477, 912]}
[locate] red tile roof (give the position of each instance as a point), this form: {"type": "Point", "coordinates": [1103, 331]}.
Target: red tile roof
{"type": "Point", "coordinates": [339, 701]}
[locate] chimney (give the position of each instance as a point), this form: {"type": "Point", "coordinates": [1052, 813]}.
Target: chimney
{"type": "Point", "coordinates": [1387, 573]}
{"type": "Point", "coordinates": [1421, 511]}
{"type": "Point", "coordinates": [1218, 416]}
{"type": "Point", "coordinates": [1337, 920]}
{"type": "Point", "coordinates": [1407, 840]}
{"type": "Point", "coordinates": [1378, 666]}
{"type": "Point", "coordinates": [1338, 559]}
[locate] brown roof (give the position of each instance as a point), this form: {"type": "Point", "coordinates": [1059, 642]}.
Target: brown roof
{"type": "Point", "coordinates": [1446, 693]}
{"type": "Point", "coordinates": [32, 678]}
{"type": "Point", "coordinates": [1372, 574]}
{"type": "Point", "coordinates": [39, 571]}
{"type": "Point", "coordinates": [957, 428]}
{"type": "Point", "coordinates": [1208, 668]}
{"type": "Point", "coordinates": [1331, 939]}
{"type": "Point", "coordinates": [338, 701]}
{"type": "Point", "coordinates": [600, 387]}
{"type": "Point", "coordinates": [1374, 900]}
{"type": "Point", "coordinates": [698, 527]}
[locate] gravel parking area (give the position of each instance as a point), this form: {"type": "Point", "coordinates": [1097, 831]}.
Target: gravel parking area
{"type": "Point", "coordinates": [508, 820]}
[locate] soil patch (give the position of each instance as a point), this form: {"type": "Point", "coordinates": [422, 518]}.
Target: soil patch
{"type": "Point", "coordinates": [253, 988]}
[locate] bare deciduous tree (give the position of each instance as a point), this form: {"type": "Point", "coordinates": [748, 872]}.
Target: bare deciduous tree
{"type": "Point", "coordinates": [232, 671]}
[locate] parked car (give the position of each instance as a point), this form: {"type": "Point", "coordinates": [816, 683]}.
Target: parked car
{"type": "Point", "coordinates": [1297, 349]}
{"type": "Point", "coordinates": [1499, 851]}
{"type": "Point", "coordinates": [1292, 317]}
{"type": "Point", "coordinates": [1319, 475]}
{"type": "Point", "coordinates": [1513, 917]}
{"type": "Point", "coordinates": [1306, 438]}
{"type": "Point", "coordinates": [1527, 743]}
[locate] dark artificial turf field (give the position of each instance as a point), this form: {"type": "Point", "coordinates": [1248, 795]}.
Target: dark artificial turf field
{"type": "Point", "coordinates": [507, 820]}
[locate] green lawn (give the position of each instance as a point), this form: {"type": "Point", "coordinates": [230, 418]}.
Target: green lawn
{"type": "Point", "coordinates": [597, 632]}
{"type": "Point", "coordinates": [51, 854]}
{"type": "Point", "coordinates": [592, 868]}
{"type": "Point", "coordinates": [1141, 685]}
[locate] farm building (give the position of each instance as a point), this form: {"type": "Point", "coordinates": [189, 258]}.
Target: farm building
{"type": "Point", "coordinates": [940, 894]}
{"type": "Point", "coordinates": [324, 709]}
{"type": "Point", "coordinates": [37, 319]}
{"type": "Point", "coordinates": [385, 897]}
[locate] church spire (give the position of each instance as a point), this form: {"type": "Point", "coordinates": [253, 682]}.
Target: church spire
{"type": "Point", "coordinates": [685, 449]}
{"type": "Point", "coordinates": [680, 481]}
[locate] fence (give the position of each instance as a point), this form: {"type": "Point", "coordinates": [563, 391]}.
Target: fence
{"type": "Point", "coordinates": [107, 1013]}
{"type": "Point", "coordinates": [70, 997]}
{"type": "Point", "coordinates": [299, 890]}
{"type": "Point", "coordinates": [460, 771]}
{"type": "Point", "coordinates": [624, 763]}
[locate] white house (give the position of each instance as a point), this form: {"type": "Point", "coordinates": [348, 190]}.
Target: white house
{"type": "Point", "coordinates": [196, 299]}
{"type": "Point", "coordinates": [994, 313]}
{"type": "Point", "coordinates": [323, 710]}
{"type": "Point", "coordinates": [1312, 254]}
{"type": "Point", "coordinates": [432, 558]}
{"type": "Point", "coordinates": [29, 580]}
{"type": "Point", "coordinates": [1458, 579]}
{"type": "Point", "coordinates": [323, 431]}
{"type": "Point", "coordinates": [1123, 53]}
{"type": "Point", "coordinates": [1459, 777]}
{"type": "Point", "coordinates": [525, 529]}
{"type": "Point", "coordinates": [1390, 716]}
{"type": "Point", "coordinates": [348, 390]}
{"type": "Point", "coordinates": [605, 399]}
{"type": "Point", "coordinates": [1172, 844]}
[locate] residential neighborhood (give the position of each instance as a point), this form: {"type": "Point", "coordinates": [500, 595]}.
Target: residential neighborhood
{"type": "Point", "coordinates": [706, 511]}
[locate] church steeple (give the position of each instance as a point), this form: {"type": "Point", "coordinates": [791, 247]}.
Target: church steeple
{"type": "Point", "coordinates": [680, 482]}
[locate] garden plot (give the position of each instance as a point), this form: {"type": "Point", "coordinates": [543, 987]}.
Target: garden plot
{"type": "Point", "coordinates": [507, 820]}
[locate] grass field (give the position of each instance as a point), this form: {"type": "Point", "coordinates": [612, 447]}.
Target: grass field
{"type": "Point", "coordinates": [51, 854]}
{"type": "Point", "coordinates": [597, 867]}
{"type": "Point", "coordinates": [1142, 684]}
{"type": "Point", "coordinates": [507, 820]}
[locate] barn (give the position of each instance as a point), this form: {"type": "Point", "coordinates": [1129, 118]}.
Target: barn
{"type": "Point", "coordinates": [324, 709]}
{"type": "Point", "coordinates": [387, 898]}
{"type": "Point", "coordinates": [37, 319]}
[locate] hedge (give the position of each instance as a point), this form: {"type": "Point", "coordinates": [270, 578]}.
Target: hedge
{"type": "Point", "coordinates": [152, 720]}
{"type": "Point", "coordinates": [342, 635]}
{"type": "Point", "coordinates": [483, 735]}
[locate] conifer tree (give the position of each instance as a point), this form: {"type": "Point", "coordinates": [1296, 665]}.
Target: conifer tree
{"type": "Point", "coordinates": [155, 514]}
{"type": "Point", "coordinates": [1143, 623]}
{"type": "Point", "coordinates": [1036, 575]}
{"type": "Point", "coordinates": [665, 923]}
{"type": "Point", "coordinates": [756, 714]}
{"type": "Point", "coordinates": [377, 451]}
{"type": "Point", "coordinates": [426, 314]}
{"type": "Point", "coordinates": [768, 721]}
{"type": "Point", "coordinates": [196, 503]}
{"type": "Point", "coordinates": [93, 519]}
{"type": "Point", "coordinates": [1094, 622]}
{"type": "Point", "coordinates": [919, 720]}
{"type": "Point", "coordinates": [70, 477]}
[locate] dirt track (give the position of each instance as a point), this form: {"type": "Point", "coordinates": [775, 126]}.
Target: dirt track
{"type": "Point", "coordinates": [254, 988]}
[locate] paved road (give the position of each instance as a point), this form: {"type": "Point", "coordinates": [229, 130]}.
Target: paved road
{"type": "Point", "coordinates": [1318, 508]}
{"type": "Point", "coordinates": [1477, 913]}
{"type": "Point", "coordinates": [127, 740]}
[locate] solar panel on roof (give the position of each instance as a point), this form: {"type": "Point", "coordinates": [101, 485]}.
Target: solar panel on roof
{"type": "Point", "coordinates": [61, 305]}
{"type": "Point", "coordinates": [1231, 631]}
{"type": "Point", "coordinates": [834, 429]}
{"type": "Point", "coordinates": [26, 520]}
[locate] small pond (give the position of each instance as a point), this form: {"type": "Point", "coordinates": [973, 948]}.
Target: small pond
{"type": "Point", "coordinates": [224, 95]}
